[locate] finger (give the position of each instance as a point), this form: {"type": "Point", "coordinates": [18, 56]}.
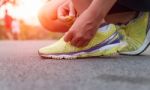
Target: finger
{"type": "Point", "coordinates": [74, 41]}
{"type": "Point", "coordinates": [72, 11]}
{"type": "Point", "coordinates": [61, 13]}
{"type": "Point", "coordinates": [68, 37]}
{"type": "Point", "coordinates": [85, 44]}
{"type": "Point", "coordinates": [82, 43]}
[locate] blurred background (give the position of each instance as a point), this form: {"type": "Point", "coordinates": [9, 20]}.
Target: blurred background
{"type": "Point", "coordinates": [18, 21]}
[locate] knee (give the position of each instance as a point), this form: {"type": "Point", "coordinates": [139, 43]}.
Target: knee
{"type": "Point", "coordinates": [48, 18]}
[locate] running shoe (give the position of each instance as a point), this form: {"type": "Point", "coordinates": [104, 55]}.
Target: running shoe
{"type": "Point", "coordinates": [137, 34]}
{"type": "Point", "coordinates": [106, 42]}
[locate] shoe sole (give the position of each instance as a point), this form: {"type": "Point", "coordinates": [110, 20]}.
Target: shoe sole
{"type": "Point", "coordinates": [141, 49]}
{"type": "Point", "coordinates": [88, 54]}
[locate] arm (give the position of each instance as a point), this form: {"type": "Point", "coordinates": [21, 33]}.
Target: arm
{"type": "Point", "coordinates": [100, 8]}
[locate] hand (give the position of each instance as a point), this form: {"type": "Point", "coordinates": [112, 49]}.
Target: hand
{"type": "Point", "coordinates": [83, 30]}
{"type": "Point", "coordinates": [66, 12]}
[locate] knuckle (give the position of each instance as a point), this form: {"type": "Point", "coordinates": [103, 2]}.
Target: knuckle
{"type": "Point", "coordinates": [86, 38]}
{"type": "Point", "coordinates": [72, 43]}
{"type": "Point", "coordinates": [79, 36]}
{"type": "Point", "coordinates": [60, 8]}
{"type": "Point", "coordinates": [70, 32]}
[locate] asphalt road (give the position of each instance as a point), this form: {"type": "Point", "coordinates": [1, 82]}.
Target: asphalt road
{"type": "Point", "coordinates": [22, 69]}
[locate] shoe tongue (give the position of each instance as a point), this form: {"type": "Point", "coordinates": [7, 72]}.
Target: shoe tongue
{"type": "Point", "coordinates": [103, 24]}
{"type": "Point", "coordinates": [104, 28]}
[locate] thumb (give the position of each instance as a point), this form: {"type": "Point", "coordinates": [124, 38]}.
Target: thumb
{"type": "Point", "coordinates": [72, 11]}
{"type": "Point", "coordinates": [61, 13]}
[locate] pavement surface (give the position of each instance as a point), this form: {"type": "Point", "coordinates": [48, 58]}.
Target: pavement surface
{"type": "Point", "coordinates": [22, 69]}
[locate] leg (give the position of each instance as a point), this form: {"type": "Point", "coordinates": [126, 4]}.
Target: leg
{"type": "Point", "coordinates": [123, 17]}
{"type": "Point", "coordinates": [48, 17]}
{"type": "Point", "coordinates": [48, 14]}
{"type": "Point", "coordinates": [120, 14]}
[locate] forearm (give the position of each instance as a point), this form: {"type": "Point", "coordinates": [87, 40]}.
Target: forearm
{"type": "Point", "coordinates": [100, 8]}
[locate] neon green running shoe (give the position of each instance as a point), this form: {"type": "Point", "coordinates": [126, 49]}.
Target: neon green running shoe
{"type": "Point", "coordinates": [137, 34]}
{"type": "Point", "coordinates": [105, 43]}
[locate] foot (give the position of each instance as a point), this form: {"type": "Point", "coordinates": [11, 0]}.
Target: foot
{"type": "Point", "coordinates": [137, 35]}
{"type": "Point", "coordinates": [105, 43]}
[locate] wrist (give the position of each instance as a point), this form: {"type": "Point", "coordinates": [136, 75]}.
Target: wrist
{"type": "Point", "coordinates": [97, 14]}
{"type": "Point", "coordinates": [100, 8]}
{"type": "Point", "coordinates": [93, 16]}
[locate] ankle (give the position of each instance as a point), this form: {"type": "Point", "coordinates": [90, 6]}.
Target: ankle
{"type": "Point", "coordinates": [123, 17]}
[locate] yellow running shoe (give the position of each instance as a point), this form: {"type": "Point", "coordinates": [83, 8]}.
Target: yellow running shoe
{"type": "Point", "coordinates": [137, 34]}
{"type": "Point", "coordinates": [106, 42]}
